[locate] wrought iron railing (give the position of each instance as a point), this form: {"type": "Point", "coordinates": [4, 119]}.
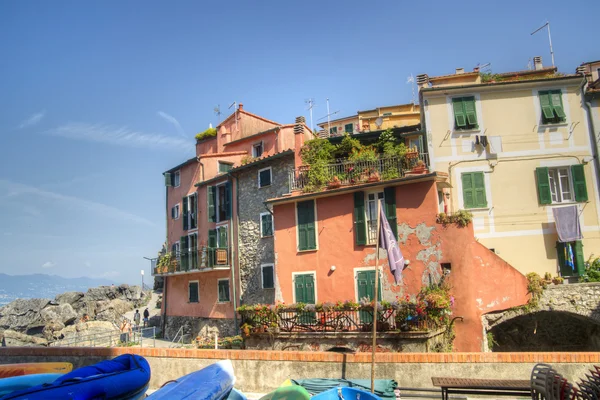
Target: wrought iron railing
{"type": "Point", "coordinates": [192, 260]}
{"type": "Point", "coordinates": [405, 318]}
{"type": "Point", "coordinates": [347, 172]}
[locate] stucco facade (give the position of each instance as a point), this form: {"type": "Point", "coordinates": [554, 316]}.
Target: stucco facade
{"type": "Point", "coordinates": [512, 220]}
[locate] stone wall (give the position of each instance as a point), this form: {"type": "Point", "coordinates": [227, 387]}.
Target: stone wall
{"type": "Point", "coordinates": [197, 326]}
{"type": "Point", "coordinates": [255, 250]}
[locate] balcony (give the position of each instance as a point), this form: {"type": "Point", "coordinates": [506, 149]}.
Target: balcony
{"type": "Point", "coordinates": [347, 173]}
{"type": "Point", "coordinates": [199, 260]}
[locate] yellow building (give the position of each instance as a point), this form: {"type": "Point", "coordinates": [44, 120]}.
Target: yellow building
{"type": "Point", "coordinates": [591, 71]}
{"type": "Point", "coordinates": [516, 146]}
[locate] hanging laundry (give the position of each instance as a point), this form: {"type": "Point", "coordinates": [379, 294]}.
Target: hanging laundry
{"type": "Point", "coordinates": [569, 258]}
{"type": "Point", "coordinates": [484, 140]}
{"type": "Point", "coordinates": [477, 140]}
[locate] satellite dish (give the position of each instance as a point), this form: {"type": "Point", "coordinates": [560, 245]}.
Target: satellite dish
{"type": "Point", "coordinates": [378, 122]}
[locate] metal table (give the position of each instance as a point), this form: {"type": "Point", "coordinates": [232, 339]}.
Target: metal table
{"type": "Point", "coordinates": [495, 387]}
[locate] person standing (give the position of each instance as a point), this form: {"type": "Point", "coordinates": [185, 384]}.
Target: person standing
{"type": "Point", "coordinates": [136, 318]}
{"type": "Point", "coordinates": [146, 317]}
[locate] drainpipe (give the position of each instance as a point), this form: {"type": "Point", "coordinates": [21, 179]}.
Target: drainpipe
{"type": "Point", "coordinates": [237, 251]}
{"type": "Point", "coordinates": [592, 132]}
{"type": "Point", "coordinates": [164, 316]}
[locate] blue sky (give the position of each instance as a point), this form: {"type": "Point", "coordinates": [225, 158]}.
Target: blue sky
{"type": "Point", "coordinates": [98, 99]}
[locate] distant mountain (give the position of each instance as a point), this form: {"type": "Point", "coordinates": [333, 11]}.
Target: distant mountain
{"type": "Point", "coordinates": [43, 286]}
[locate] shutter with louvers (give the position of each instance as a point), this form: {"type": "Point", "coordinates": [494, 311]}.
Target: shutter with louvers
{"type": "Point", "coordinates": [360, 225]}
{"type": "Point", "coordinates": [546, 104]}
{"type": "Point", "coordinates": [212, 198]}
{"type": "Point", "coordinates": [468, 192]}
{"type": "Point", "coordinates": [228, 200]}
{"type": "Point", "coordinates": [460, 118]}
{"type": "Point", "coordinates": [557, 104]}
{"type": "Point", "coordinates": [306, 225]}
{"type": "Point", "coordinates": [389, 196]}
{"type": "Point", "coordinates": [579, 183]}
{"type": "Point", "coordinates": [193, 211]}
{"type": "Point", "coordinates": [470, 113]}
{"type": "Point", "coordinates": [543, 185]}
{"type": "Point", "coordinates": [183, 250]}
{"type": "Point", "coordinates": [479, 189]}
{"type": "Point", "coordinates": [212, 245]}
{"type": "Point", "coordinates": [222, 237]}
{"type": "Point", "coordinates": [561, 258]}
{"type": "Point", "coordinates": [267, 275]}
{"type": "Point", "coordinates": [267, 225]}
{"type": "Point", "coordinates": [168, 179]}
{"type": "Point", "coordinates": [184, 203]}
{"type": "Point", "coordinates": [172, 212]}
{"type": "Point", "coordinates": [578, 257]}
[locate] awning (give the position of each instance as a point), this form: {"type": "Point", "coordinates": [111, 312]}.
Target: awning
{"type": "Point", "coordinates": [567, 223]}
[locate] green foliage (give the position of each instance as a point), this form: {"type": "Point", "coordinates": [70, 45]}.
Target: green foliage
{"type": "Point", "coordinates": [247, 160]}
{"type": "Point", "coordinates": [166, 263]}
{"type": "Point", "coordinates": [348, 145]}
{"type": "Point", "coordinates": [317, 150]}
{"type": "Point", "coordinates": [210, 132]}
{"type": "Point", "coordinates": [592, 270]}
{"type": "Point", "coordinates": [366, 153]}
{"type": "Point", "coordinates": [461, 218]}
{"type": "Point", "coordinates": [490, 340]}
{"type": "Point", "coordinates": [535, 286]}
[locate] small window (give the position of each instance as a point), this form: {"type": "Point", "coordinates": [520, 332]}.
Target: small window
{"type": "Point", "coordinates": [224, 167]}
{"type": "Point", "coordinates": [266, 224]}
{"type": "Point", "coordinates": [552, 107]}
{"type": "Point", "coordinates": [440, 201]}
{"type": "Point", "coordinates": [257, 149]}
{"type": "Point", "coordinates": [176, 179]}
{"type": "Point", "coordinates": [268, 276]}
{"type": "Point", "coordinates": [264, 177]}
{"type": "Point", "coordinates": [193, 292]}
{"type": "Point", "coordinates": [388, 114]}
{"type": "Point", "coordinates": [175, 249]}
{"type": "Point", "coordinates": [473, 187]}
{"type": "Point", "coordinates": [175, 211]}
{"type": "Point", "coordinates": [349, 128]}
{"type": "Point", "coordinates": [465, 116]}
{"type": "Point", "coordinates": [333, 131]}
{"type": "Point", "coordinates": [372, 216]}
{"type": "Point", "coordinates": [570, 258]}
{"type": "Point", "coordinates": [223, 290]}
{"type": "Point", "coordinates": [306, 227]}
{"type": "Point", "coordinates": [560, 185]}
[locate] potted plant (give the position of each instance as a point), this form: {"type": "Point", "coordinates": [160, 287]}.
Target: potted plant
{"type": "Point", "coordinates": [548, 277]}
{"type": "Point", "coordinates": [420, 168]}
{"type": "Point", "coordinates": [237, 342]}
{"type": "Point", "coordinates": [273, 328]}
{"type": "Point", "coordinates": [334, 183]}
{"type": "Point", "coordinates": [246, 329]}
{"type": "Point", "coordinates": [374, 176]}
{"type": "Point", "coordinates": [558, 280]}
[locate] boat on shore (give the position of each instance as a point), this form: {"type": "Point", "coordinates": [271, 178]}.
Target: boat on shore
{"type": "Point", "coordinates": [9, 370]}
{"type": "Point", "coordinates": [24, 382]}
{"type": "Point", "coordinates": [345, 393]}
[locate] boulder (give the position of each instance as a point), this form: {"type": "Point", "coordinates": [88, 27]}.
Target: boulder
{"type": "Point", "coordinates": [22, 314]}
{"type": "Point", "coordinates": [12, 338]}
{"type": "Point", "coordinates": [63, 313]}
{"type": "Point", "coordinates": [112, 310]}
{"type": "Point", "coordinates": [52, 330]}
{"type": "Point", "coordinates": [72, 298]}
{"type": "Point", "coordinates": [86, 329]}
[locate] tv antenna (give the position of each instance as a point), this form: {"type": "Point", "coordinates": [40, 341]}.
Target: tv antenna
{"type": "Point", "coordinates": [311, 104]}
{"type": "Point", "coordinates": [547, 24]}
{"type": "Point", "coordinates": [411, 80]}
{"type": "Point", "coordinates": [329, 114]}
{"type": "Point", "coordinates": [487, 67]}
{"type": "Point", "coordinates": [217, 111]}
{"type": "Point", "coordinates": [234, 105]}
{"type": "Point", "coordinates": [379, 122]}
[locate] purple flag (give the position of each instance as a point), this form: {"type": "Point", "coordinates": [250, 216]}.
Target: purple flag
{"type": "Point", "coordinates": [387, 240]}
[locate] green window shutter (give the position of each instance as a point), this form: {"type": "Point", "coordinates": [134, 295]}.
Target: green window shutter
{"type": "Point", "coordinates": [193, 292]}
{"type": "Point", "coordinates": [543, 184]}
{"type": "Point", "coordinates": [168, 179]}
{"type": "Point", "coordinates": [184, 203]}
{"type": "Point", "coordinates": [470, 112]}
{"type": "Point", "coordinates": [349, 128]}
{"type": "Point", "coordinates": [546, 104]}
{"type": "Point", "coordinates": [578, 257]}
{"type": "Point", "coordinates": [579, 183]}
{"type": "Point", "coordinates": [460, 118]}
{"type": "Point", "coordinates": [468, 190]}
{"type": "Point", "coordinates": [183, 250]}
{"type": "Point", "coordinates": [212, 244]}
{"type": "Point", "coordinates": [223, 291]}
{"type": "Point", "coordinates": [224, 167]}
{"type": "Point", "coordinates": [561, 260]}
{"type": "Point", "coordinates": [306, 225]}
{"type": "Point", "coordinates": [172, 212]}
{"type": "Point", "coordinates": [267, 277]}
{"type": "Point", "coordinates": [360, 225]}
{"type": "Point", "coordinates": [193, 209]}
{"type": "Point", "coordinates": [264, 178]}
{"type": "Point", "coordinates": [333, 130]}
{"type": "Point", "coordinates": [389, 197]}
{"type": "Point", "coordinates": [228, 200]}
{"type": "Point", "coordinates": [223, 243]}
{"type": "Point", "coordinates": [267, 225]}
{"type": "Point", "coordinates": [212, 198]}
{"type": "Point", "coordinates": [557, 104]}
{"type": "Point", "coordinates": [479, 189]}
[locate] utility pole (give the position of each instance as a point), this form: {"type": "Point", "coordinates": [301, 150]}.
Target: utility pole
{"type": "Point", "coordinates": [311, 104]}
{"type": "Point", "coordinates": [547, 24]}
{"type": "Point", "coordinates": [328, 121]}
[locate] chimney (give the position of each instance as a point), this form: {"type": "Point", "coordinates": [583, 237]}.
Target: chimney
{"type": "Point", "coordinates": [580, 70]}
{"type": "Point", "coordinates": [537, 63]}
{"type": "Point", "coordinates": [476, 69]}
{"type": "Point", "coordinates": [241, 107]}
{"type": "Point", "coordinates": [423, 81]}
{"type": "Point", "coordinates": [460, 71]}
{"type": "Point", "coordinates": [298, 139]}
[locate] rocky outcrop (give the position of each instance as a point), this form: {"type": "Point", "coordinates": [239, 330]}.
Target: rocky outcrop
{"type": "Point", "coordinates": [37, 321]}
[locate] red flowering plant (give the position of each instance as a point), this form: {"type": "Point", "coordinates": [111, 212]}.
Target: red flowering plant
{"type": "Point", "coordinates": [435, 302]}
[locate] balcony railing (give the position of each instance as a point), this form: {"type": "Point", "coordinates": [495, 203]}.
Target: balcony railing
{"type": "Point", "coordinates": [346, 173]}
{"type": "Point", "coordinates": [404, 318]}
{"type": "Point", "coordinates": [193, 260]}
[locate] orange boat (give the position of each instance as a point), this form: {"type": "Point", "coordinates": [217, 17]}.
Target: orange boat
{"type": "Point", "coordinates": [8, 370]}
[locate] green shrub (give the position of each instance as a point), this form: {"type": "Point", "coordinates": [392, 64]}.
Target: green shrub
{"type": "Point", "coordinates": [592, 270]}
{"type": "Point", "coordinates": [210, 132]}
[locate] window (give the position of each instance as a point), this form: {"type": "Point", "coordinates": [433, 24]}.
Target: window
{"type": "Point", "coordinates": [473, 188]}
{"type": "Point", "coordinates": [223, 287]}
{"type": "Point", "coordinates": [172, 178]}
{"type": "Point", "coordinates": [257, 149]}
{"type": "Point", "coordinates": [465, 116]}
{"type": "Point", "coordinates": [266, 224]}
{"type": "Point", "coordinates": [193, 292]}
{"type": "Point", "coordinates": [372, 216]}
{"type": "Point", "coordinates": [189, 252]}
{"type": "Point", "coordinates": [268, 276]}
{"type": "Point", "coordinates": [264, 177]}
{"type": "Point", "coordinates": [570, 258]}
{"type": "Point", "coordinates": [561, 184]}
{"type": "Point", "coordinates": [349, 128]}
{"type": "Point", "coordinates": [219, 202]}
{"type": "Point", "coordinates": [416, 142]}
{"type": "Point", "coordinates": [176, 179]}
{"type": "Point", "coordinates": [175, 211]}
{"type": "Point", "coordinates": [175, 249]}
{"type": "Point", "coordinates": [552, 107]}
{"type": "Point", "coordinates": [333, 131]}
{"type": "Point", "coordinates": [306, 225]}
{"type": "Point", "coordinates": [224, 167]}
{"type": "Point", "coordinates": [441, 207]}
{"type": "Point", "coordinates": [387, 114]}
{"type": "Point", "coordinates": [190, 210]}
{"type": "Point", "coordinates": [218, 244]}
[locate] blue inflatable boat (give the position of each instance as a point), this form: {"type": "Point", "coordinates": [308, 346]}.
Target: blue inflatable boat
{"type": "Point", "coordinates": [14, 383]}
{"type": "Point", "coordinates": [214, 382]}
{"type": "Point", "coordinates": [125, 377]}
{"type": "Point", "coordinates": [347, 393]}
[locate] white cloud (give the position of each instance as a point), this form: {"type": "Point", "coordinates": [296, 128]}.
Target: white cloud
{"type": "Point", "coordinates": [88, 264]}
{"type": "Point", "coordinates": [48, 264]}
{"type": "Point", "coordinates": [16, 189]}
{"type": "Point", "coordinates": [120, 136]}
{"type": "Point", "coordinates": [171, 119]}
{"type": "Point", "coordinates": [32, 120]}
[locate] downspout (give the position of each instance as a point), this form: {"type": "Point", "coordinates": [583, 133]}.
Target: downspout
{"type": "Point", "coordinates": [592, 132]}
{"type": "Point", "coordinates": [164, 316]}
{"type": "Point", "coordinates": [237, 251]}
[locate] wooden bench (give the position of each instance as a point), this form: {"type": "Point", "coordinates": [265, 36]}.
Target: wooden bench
{"type": "Point", "coordinates": [493, 387]}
